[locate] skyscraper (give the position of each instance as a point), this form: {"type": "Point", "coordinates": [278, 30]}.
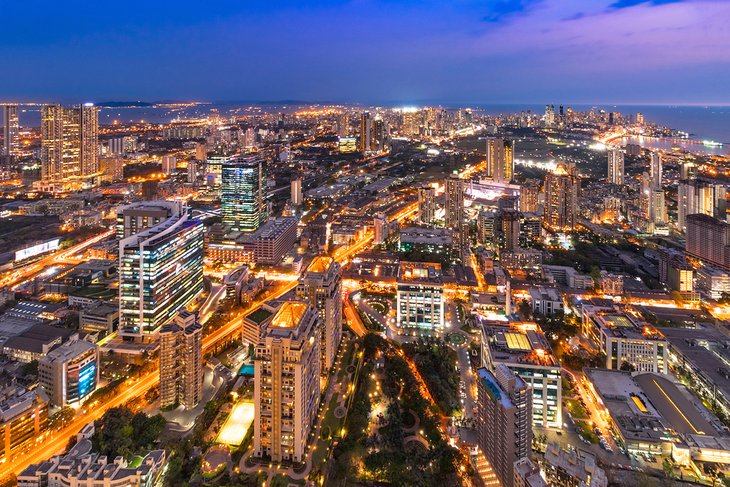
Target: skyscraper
{"type": "Point", "coordinates": [321, 286]}
{"type": "Point", "coordinates": [504, 420]}
{"type": "Point", "coordinates": [561, 199]}
{"type": "Point", "coordinates": [243, 194]}
{"type": "Point", "coordinates": [366, 132]}
{"type": "Point", "coordinates": [529, 197]}
{"type": "Point", "coordinates": [699, 196]}
{"type": "Point", "coordinates": [615, 166]}
{"type": "Point", "coordinates": [296, 192]}
{"type": "Point", "coordinates": [160, 267]}
{"type": "Point", "coordinates": [11, 131]}
{"type": "Point", "coordinates": [342, 124]}
{"type": "Point", "coordinates": [455, 211]}
{"type": "Point", "coordinates": [381, 229]}
{"type": "Point", "coordinates": [286, 383]}
{"type": "Point", "coordinates": [708, 239]}
{"type": "Point", "coordinates": [655, 170]}
{"type": "Point", "coordinates": [500, 159]}
{"type": "Point", "coordinates": [69, 143]}
{"type": "Point", "coordinates": [426, 204]}
{"type": "Point", "coordinates": [181, 361]}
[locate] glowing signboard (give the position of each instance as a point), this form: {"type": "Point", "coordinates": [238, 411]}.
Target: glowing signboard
{"type": "Point", "coordinates": [38, 249]}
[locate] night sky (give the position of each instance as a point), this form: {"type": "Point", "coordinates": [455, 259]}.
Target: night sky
{"type": "Point", "coordinates": [370, 51]}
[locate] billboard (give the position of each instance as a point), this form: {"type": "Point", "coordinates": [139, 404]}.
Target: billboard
{"type": "Point", "coordinates": [38, 249]}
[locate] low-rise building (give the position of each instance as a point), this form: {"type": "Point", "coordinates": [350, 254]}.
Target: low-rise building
{"type": "Point", "coordinates": [567, 276]}
{"type": "Point", "coordinates": [100, 318]}
{"type": "Point", "coordinates": [81, 467]}
{"type": "Point", "coordinates": [572, 468]}
{"type": "Point", "coordinates": [713, 281]}
{"type": "Point", "coordinates": [36, 342]}
{"type": "Point", "coordinates": [625, 339]}
{"type": "Point", "coordinates": [23, 419]}
{"type": "Point", "coordinates": [545, 300]}
{"type": "Point", "coordinates": [420, 298]}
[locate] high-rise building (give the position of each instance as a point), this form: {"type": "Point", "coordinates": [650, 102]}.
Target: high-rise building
{"type": "Point", "coordinates": [379, 136]}
{"type": "Point", "coordinates": [616, 166]}
{"type": "Point", "coordinates": [530, 197]}
{"type": "Point", "coordinates": [321, 286]}
{"type": "Point", "coordinates": [69, 143]}
{"type": "Point", "coordinates": [426, 205]}
{"type": "Point", "coordinates": [342, 124]}
{"type": "Point", "coordinates": [181, 361]}
{"type": "Point", "coordinates": [504, 420]}
{"type": "Point", "coordinates": [296, 192]}
{"type": "Point", "coordinates": [11, 132]}
{"type": "Point", "coordinates": [640, 118]}
{"type": "Point", "coordinates": [366, 132]}
{"type": "Point", "coordinates": [160, 265]}
{"type": "Point", "coordinates": [500, 159]}
{"type": "Point", "coordinates": [380, 228]}
{"type": "Point", "coordinates": [549, 117]}
{"type": "Point", "coordinates": [69, 374]}
{"type": "Point", "coordinates": [699, 196]}
{"type": "Point", "coordinates": [561, 199]}
{"type": "Point", "coordinates": [286, 383]}
{"type": "Point", "coordinates": [454, 218]}
{"type": "Point", "coordinates": [169, 164]}
{"type": "Point", "coordinates": [510, 235]}
{"type": "Point", "coordinates": [243, 195]}
{"type": "Point", "coordinates": [655, 170]}
{"type": "Point", "coordinates": [657, 207]}
{"type": "Point", "coordinates": [708, 239]}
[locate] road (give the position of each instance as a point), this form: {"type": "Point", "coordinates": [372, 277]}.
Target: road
{"type": "Point", "coordinates": [18, 276]}
{"type": "Point", "coordinates": [47, 446]}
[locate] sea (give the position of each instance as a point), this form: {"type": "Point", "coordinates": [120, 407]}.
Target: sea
{"type": "Point", "coordinates": [702, 123]}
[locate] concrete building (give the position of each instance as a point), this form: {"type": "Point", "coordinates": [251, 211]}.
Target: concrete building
{"type": "Point", "coordinates": [296, 192]}
{"type": "Point", "coordinates": [420, 298]}
{"type": "Point", "coordinates": [69, 374]}
{"type": "Point", "coordinates": [527, 474]}
{"type": "Point", "coordinates": [545, 300]}
{"type": "Point", "coordinates": [713, 282]}
{"type": "Point", "coordinates": [615, 167]}
{"type": "Point", "coordinates": [572, 468]}
{"type": "Point", "coordinates": [708, 239]}
{"type": "Point", "coordinates": [11, 132]}
{"type": "Point", "coordinates": [426, 205]}
{"type": "Point", "coordinates": [181, 362]}
{"type": "Point", "coordinates": [321, 286]}
{"type": "Point", "coordinates": [500, 159]}
{"type": "Point", "coordinates": [524, 349]}
{"type": "Point", "coordinates": [561, 199]}
{"type": "Point", "coordinates": [698, 196]}
{"type": "Point", "coordinates": [80, 467]}
{"type": "Point", "coordinates": [23, 419]}
{"type": "Point", "coordinates": [273, 240]}
{"type": "Point", "coordinates": [504, 423]}
{"type": "Point", "coordinates": [625, 340]}
{"type": "Point", "coordinates": [286, 384]}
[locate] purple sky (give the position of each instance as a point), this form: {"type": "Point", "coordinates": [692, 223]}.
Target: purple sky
{"type": "Point", "coordinates": [498, 51]}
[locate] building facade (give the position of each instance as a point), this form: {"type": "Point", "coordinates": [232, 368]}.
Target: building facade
{"type": "Point", "coordinates": [286, 383]}
{"type": "Point", "coordinates": [243, 193]}
{"type": "Point", "coordinates": [181, 362]}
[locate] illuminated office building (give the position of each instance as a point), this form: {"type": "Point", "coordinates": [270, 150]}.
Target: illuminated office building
{"type": "Point", "coordinates": [655, 169]}
{"type": "Point", "coordinates": [321, 286]}
{"type": "Point", "coordinates": [181, 361]}
{"type": "Point", "coordinates": [454, 217]}
{"type": "Point", "coordinates": [420, 298]}
{"type": "Point", "coordinates": [160, 270]}
{"type": "Point", "coordinates": [11, 131]}
{"type": "Point", "coordinates": [366, 132]}
{"type": "Point", "coordinates": [69, 145]}
{"type": "Point", "coordinates": [561, 199]}
{"type": "Point", "coordinates": [70, 373]}
{"type": "Point", "coordinates": [243, 195]}
{"type": "Point", "coordinates": [286, 383]}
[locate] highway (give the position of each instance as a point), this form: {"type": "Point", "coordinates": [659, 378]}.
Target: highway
{"type": "Point", "coordinates": [51, 444]}
{"type": "Point", "coordinates": [16, 277]}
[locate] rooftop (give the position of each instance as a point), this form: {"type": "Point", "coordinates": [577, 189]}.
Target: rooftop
{"type": "Point", "coordinates": [519, 343]}
{"type": "Point", "coordinates": [289, 315]}
{"type": "Point", "coordinates": [321, 263]}
{"type": "Point", "coordinates": [420, 272]}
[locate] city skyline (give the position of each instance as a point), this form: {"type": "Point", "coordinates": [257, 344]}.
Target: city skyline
{"type": "Point", "coordinates": [581, 52]}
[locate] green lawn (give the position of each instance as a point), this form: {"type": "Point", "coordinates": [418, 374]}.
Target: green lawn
{"type": "Point", "coordinates": [576, 409]}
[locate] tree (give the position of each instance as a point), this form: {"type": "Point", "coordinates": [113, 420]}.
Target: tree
{"type": "Point", "coordinates": [31, 368]}
{"type": "Point", "coordinates": [627, 367]}
{"type": "Point", "coordinates": [668, 468]}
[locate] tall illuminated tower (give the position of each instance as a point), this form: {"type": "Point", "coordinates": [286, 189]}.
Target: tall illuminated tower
{"type": "Point", "coordinates": [69, 142]}
{"type": "Point", "coordinates": [561, 199]}
{"type": "Point", "coordinates": [616, 166]}
{"type": "Point", "coordinates": [11, 131]}
{"type": "Point", "coordinates": [243, 194]}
